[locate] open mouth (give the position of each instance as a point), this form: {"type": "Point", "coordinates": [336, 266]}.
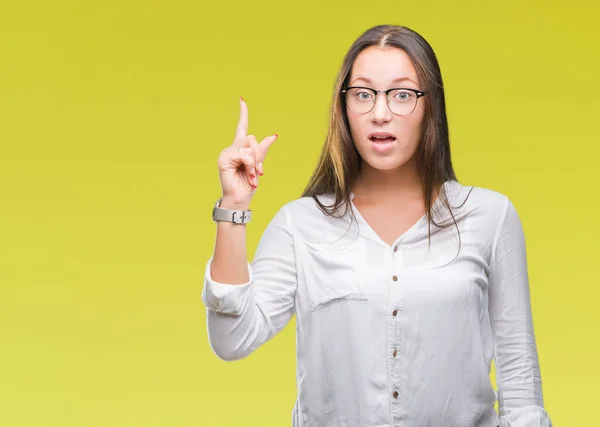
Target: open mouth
{"type": "Point", "coordinates": [382, 139]}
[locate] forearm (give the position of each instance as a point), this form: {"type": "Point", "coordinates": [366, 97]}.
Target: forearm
{"type": "Point", "coordinates": [518, 376]}
{"type": "Point", "coordinates": [244, 315]}
{"type": "Point", "coordinates": [230, 263]}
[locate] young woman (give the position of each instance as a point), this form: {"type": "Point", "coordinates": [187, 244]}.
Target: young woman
{"type": "Point", "coordinates": [405, 283]}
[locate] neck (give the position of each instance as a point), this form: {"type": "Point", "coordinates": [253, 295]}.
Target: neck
{"type": "Point", "coordinates": [401, 185]}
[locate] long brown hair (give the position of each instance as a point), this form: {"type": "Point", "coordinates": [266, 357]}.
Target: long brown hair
{"type": "Point", "coordinates": [339, 163]}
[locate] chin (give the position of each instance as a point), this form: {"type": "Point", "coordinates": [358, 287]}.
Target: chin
{"type": "Point", "coordinates": [385, 163]}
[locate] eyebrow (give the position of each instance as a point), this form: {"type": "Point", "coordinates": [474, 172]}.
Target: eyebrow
{"type": "Point", "coordinates": [398, 80]}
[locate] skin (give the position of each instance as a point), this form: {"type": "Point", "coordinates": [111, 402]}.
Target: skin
{"type": "Point", "coordinates": [388, 193]}
{"type": "Point", "coordinates": [240, 166]}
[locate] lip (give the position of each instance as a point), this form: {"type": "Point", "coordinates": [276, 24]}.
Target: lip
{"type": "Point", "coordinates": [379, 146]}
{"type": "Point", "coordinates": [381, 134]}
{"type": "Point", "coordinates": [382, 147]}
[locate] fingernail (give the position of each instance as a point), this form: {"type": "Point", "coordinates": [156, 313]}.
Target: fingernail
{"type": "Point", "coordinates": [241, 98]}
{"type": "Point", "coordinates": [276, 135]}
{"type": "Point", "coordinates": [260, 169]}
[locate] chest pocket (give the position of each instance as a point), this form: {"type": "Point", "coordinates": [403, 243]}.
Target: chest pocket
{"type": "Point", "coordinates": [333, 273]}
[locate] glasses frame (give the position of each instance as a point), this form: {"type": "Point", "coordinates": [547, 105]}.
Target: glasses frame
{"type": "Point", "coordinates": [418, 93]}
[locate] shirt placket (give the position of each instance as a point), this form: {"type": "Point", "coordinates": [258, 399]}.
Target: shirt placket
{"type": "Point", "coordinates": [395, 334]}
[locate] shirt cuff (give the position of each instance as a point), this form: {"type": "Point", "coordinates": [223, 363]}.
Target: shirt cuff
{"type": "Point", "coordinates": [225, 298]}
{"type": "Point", "coordinates": [528, 416]}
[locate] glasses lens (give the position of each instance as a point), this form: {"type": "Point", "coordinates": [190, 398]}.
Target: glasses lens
{"type": "Point", "coordinates": [360, 100]}
{"type": "Point", "coordinates": [402, 101]}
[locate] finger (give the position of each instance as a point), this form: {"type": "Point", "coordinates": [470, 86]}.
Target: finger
{"type": "Point", "coordinates": [264, 147]}
{"type": "Point", "coordinates": [258, 157]}
{"type": "Point", "coordinates": [245, 156]}
{"type": "Point", "coordinates": [266, 143]}
{"type": "Point", "coordinates": [245, 141]}
{"type": "Point", "coordinates": [242, 127]}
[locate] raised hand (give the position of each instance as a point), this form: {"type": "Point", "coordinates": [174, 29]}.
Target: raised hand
{"type": "Point", "coordinates": [241, 163]}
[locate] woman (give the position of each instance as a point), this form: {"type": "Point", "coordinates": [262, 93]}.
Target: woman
{"type": "Point", "coordinates": [405, 283]}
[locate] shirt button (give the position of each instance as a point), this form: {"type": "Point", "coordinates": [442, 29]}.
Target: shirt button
{"type": "Point", "coordinates": [394, 313]}
{"type": "Point", "coordinates": [395, 394]}
{"type": "Point", "coordinates": [395, 353]}
{"type": "Point", "coordinates": [395, 248]}
{"type": "Point", "coordinates": [395, 278]}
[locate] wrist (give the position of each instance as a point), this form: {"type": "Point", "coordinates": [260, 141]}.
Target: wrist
{"type": "Point", "coordinates": [227, 203]}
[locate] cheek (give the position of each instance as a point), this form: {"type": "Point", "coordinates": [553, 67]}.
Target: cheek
{"type": "Point", "coordinates": [420, 117]}
{"type": "Point", "coordinates": [413, 127]}
{"type": "Point", "coordinates": [356, 126]}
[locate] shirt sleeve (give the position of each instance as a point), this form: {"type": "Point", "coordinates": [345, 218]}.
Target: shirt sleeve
{"type": "Point", "coordinates": [520, 399]}
{"type": "Point", "coordinates": [240, 318]}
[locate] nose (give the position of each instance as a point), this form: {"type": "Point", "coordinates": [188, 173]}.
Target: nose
{"type": "Point", "coordinates": [381, 112]}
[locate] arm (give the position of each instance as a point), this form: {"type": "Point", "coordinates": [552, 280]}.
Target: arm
{"type": "Point", "coordinates": [241, 317]}
{"type": "Point", "coordinates": [518, 376]}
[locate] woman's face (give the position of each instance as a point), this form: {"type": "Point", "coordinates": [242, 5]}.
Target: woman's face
{"type": "Point", "coordinates": [381, 69]}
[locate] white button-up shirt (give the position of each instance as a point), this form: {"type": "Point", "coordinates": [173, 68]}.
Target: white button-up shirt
{"type": "Point", "coordinates": [393, 336]}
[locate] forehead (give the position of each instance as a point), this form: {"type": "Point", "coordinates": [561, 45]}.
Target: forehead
{"type": "Point", "coordinates": [383, 65]}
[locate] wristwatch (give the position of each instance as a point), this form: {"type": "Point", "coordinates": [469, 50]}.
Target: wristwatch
{"type": "Point", "coordinates": [228, 215]}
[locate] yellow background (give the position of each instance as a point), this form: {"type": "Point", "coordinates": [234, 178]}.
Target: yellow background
{"type": "Point", "coordinates": [112, 115]}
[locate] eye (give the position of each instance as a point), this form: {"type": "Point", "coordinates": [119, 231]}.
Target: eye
{"type": "Point", "coordinates": [402, 95]}
{"type": "Point", "coordinates": [362, 94]}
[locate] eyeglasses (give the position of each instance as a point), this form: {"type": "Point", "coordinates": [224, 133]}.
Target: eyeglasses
{"type": "Point", "coordinates": [401, 101]}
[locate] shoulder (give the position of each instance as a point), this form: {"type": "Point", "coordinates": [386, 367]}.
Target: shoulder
{"type": "Point", "coordinates": [485, 198]}
{"type": "Point", "coordinates": [307, 208]}
{"type": "Point", "coordinates": [486, 206]}
{"type": "Point", "coordinates": [310, 224]}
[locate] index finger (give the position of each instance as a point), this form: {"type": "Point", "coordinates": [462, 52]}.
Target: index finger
{"type": "Point", "coordinates": [242, 127]}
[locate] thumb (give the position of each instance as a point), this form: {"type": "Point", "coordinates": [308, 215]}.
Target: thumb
{"type": "Point", "coordinates": [266, 143]}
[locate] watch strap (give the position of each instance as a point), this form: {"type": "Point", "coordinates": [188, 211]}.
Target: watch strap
{"type": "Point", "coordinates": [229, 215]}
